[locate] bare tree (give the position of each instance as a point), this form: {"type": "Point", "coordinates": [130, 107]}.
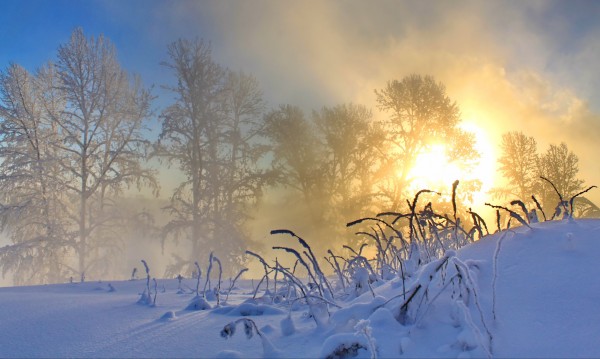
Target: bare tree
{"type": "Point", "coordinates": [297, 155]}
{"type": "Point", "coordinates": [560, 166]}
{"type": "Point", "coordinates": [72, 139]}
{"type": "Point", "coordinates": [188, 126]}
{"type": "Point", "coordinates": [519, 164]}
{"type": "Point", "coordinates": [211, 134]}
{"type": "Point", "coordinates": [101, 141]}
{"type": "Point", "coordinates": [241, 178]}
{"type": "Point", "coordinates": [351, 145]}
{"type": "Point", "coordinates": [420, 115]}
{"type": "Point", "coordinates": [32, 203]}
{"type": "Point", "coordinates": [328, 161]}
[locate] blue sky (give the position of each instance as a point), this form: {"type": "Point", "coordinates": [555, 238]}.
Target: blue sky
{"type": "Point", "coordinates": [510, 65]}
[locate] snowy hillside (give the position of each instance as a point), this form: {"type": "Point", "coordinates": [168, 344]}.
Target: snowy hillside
{"type": "Point", "coordinates": [540, 284]}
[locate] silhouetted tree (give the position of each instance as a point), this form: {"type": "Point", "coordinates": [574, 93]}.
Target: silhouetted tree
{"type": "Point", "coordinates": [522, 167]}
{"type": "Point", "coordinates": [420, 115]}
{"type": "Point", "coordinates": [584, 208]}
{"type": "Point", "coordinates": [519, 164]}
{"type": "Point", "coordinates": [297, 155]}
{"type": "Point", "coordinates": [241, 178]}
{"type": "Point", "coordinates": [188, 126]}
{"type": "Point", "coordinates": [211, 134]}
{"type": "Point", "coordinates": [560, 166]}
{"type": "Point", "coordinates": [329, 160]}
{"type": "Point", "coordinates": [351, 152]}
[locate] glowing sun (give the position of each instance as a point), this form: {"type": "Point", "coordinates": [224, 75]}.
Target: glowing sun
{"type": "Point", "coordinates": [434, 170]}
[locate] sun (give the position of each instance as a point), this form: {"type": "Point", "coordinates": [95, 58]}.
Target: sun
{"type": "Point", "coordinates": [434, 170]}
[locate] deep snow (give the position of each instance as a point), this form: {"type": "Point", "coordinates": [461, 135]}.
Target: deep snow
{"type": "Point", "coordinates": [547, 295]}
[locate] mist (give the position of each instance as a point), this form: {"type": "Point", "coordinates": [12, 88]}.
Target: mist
{"type": "Point", "coordinates": [508, 66]}
{"type": "Point", "coordinates": [511, 66]}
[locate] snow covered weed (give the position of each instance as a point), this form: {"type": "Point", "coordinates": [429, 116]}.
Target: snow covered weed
{"type": "Point", "coordinates": [146, 297]}
{"type": "Point", "coordinates": [564, 209]}
{"type": "Point", "coordinates": [341, 346]}
{"type": "Point", "coordinates": [198, 303]}
{"type": "Point", "coordinates": [363, 327]}
{"type": "Point", "coordinates": [232, 282]}
{"type": "Point", "coordinates": [269, 350]}
{"type": "Point", "coordinates": [198, 277]}
{"type": "Point", "coordinates": [412, 262]}
{"type": "Point", "coordinates": [201, 302]}
{"type": "Point", "coordinates": [317, 293]}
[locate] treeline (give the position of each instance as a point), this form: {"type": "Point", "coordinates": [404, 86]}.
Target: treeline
{"type": "Point", "coordinates": [532, 176]}
{"type": "Point", "coordinates": [74, 137]}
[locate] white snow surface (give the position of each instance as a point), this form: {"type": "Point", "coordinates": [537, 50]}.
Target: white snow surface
{"type": "Point", "coordinates": [547, 304]}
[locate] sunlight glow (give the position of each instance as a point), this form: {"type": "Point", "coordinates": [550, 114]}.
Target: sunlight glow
{"type": "Point", "coordinates": [485, 170]}
{"type": "Point", "coordinates": [433, 170]}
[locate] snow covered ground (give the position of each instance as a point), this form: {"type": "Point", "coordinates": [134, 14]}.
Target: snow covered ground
{"type": "Point", "coordinates": [542, 284]}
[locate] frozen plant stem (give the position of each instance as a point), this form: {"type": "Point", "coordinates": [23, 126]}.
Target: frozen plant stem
{"type": "Point", "coordinates": [214, 258]}
{"type": "Point", "coordinates": [322, 283]}
{"type": "Point", "coordinates": [258, 285]}
{"type": "Point", "coordinates": [199, 274]}
{"type": "Point", "coordinates": [147, 277]}
{"type": "Point", "coordinates": [275, 278]}
{"type": "Point", "coordinates": [495, 271]}
{"type": "Point", "coordinates": [207, 282]}
{"type": "Point", "coordinates": [336, 267]}
{"type": "Point", "coordinates": [265, 267]}
{"type": "Point", "coordinates": [463, 270]}
{"type": "Point", "coordinates": [179, 279]}
{"type": "Point", "coordinates": [155, 292]}
{"type": "Point", "coordinates": [299, 258]}
{"type": "Point", "coordinates": [233, 282]}
{"type": "Point", "coordinates": [249, 328]}
{"type": "Point", "coordinates": [363, 327]}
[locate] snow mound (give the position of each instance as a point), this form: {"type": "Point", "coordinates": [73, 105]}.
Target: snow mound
{"type": "Point", "coordinates": [168, 316]}
{"type": "Point", "coordinates": [249, 310]}
{"type": "Point", "coordinates": [345, 345]}
{"type": "Point", "coordinates": [198, 303]}
{"type": "Point", "coordinates": [229, 354]}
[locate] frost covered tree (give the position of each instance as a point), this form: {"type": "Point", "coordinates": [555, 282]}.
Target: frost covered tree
{"type": "Point", "coordinates": [351, 151]}
{"type": "Point", "coordinates": [102, 141]}
{"type": "Point", "coordinates": [420, 115]}
{"type": "Point", "coordinates": [328, 161]}
{"type": "Point", "coordinates": [560, 166]}
{"type": "Point", "coordinates": [522, 167]}
{"type": "Point", "coordinates": [32, 201]}
{"type": "Point", "coordinates": [75, 135]}
{"type": "Point", "coordinates": [240, 178]}
{"type": "Point", "coordinates": [188, 126]}
{"type": "Point", "coordinates": [210, 133]}
{"type": "Point", "coordinates": [519, 164]}
{"type": "Point", "coordinates": [297, 155]}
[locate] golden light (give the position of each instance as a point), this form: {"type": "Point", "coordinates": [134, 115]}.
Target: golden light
{"type": "Point", "coordinates": [433, 169]}
{"type": "Point", "coordinates": [485, 170]}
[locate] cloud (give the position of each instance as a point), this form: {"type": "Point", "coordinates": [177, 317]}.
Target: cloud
{"type": "Point", "coordinates": [507, 66]}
